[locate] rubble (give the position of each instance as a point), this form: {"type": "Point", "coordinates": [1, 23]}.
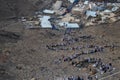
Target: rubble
{"type": "Point", "coordinates": [77, 11]}
{"type": "Point", "coordinates": [68, 18]}
{"type": "Point", "coordinates": [113, 19]}
{"type": "Point", "coordinates": [89, 24]}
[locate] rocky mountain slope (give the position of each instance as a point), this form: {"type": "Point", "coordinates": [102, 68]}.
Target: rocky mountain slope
{"type": "Point", "coordinates": [16, 8]}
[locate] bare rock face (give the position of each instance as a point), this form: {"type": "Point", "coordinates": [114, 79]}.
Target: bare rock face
{"type": "Point", "coordinates": [6, 36]}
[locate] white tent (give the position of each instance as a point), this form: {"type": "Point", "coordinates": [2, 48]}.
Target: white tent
{"type": "Point", "coordinates": [45, 23]}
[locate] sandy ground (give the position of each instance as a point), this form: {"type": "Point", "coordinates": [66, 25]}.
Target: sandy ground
{"type": "Point", "coordinates": [28, 58]}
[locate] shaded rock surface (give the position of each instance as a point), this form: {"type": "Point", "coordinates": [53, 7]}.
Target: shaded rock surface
{"type": "Point", "coordinates": [17, 8]}
{"type": "Point", "coordinates": [6, 36]}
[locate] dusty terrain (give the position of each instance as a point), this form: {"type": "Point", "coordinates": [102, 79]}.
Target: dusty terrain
{"type": "Point", "coordinates": [24, 55]}
{"type": "Point", "coordinates": [29, 58]}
